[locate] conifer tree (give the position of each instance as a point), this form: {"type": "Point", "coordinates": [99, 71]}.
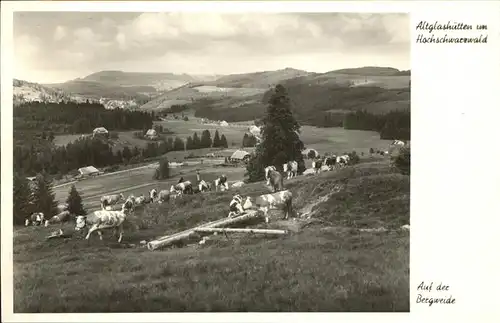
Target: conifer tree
{"type": "Point", "coordinates": [44, 197]}
{"type": "Point", "coordinates": [189, 143]}
{"type": "Point", "coordinates": [196, 141]}
{"type": "Point", "coordinates": [216, 142]}
{"type": "Point", "coordinates": [22, 197]}
{"type": "Point", "coordinates": [280, 137]}
{"type": "Point", "coordinates": [223, 142]}
{"type": "Point", "coordinates": [206, 140]}
{"type": "Point", "coordinates": [74, 201]}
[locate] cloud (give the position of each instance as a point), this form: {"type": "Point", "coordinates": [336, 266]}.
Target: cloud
{"type": "Point", "coordinates": [207, 41]}
{"type": "Point", "coordinates": [59, 33]}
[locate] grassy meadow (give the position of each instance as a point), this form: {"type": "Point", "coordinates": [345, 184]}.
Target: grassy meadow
{"type": "Point", "coordinates": [325, 264]}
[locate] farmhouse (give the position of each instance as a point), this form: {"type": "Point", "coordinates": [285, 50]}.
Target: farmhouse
{"type": "Point", "coordinates": [151, 134]}
{"type": "Point", "coordinates": [100, 131]}
{"type": "Point", "coordinates": [87, 171]}
{"type": "Point", "coordinates": [224, 123]}
{"type": "Point", "coordinates": [239, 156]}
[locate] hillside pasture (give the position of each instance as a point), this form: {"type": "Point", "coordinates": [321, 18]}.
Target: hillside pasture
{"type": "Point", "coordinates": [326, 264]}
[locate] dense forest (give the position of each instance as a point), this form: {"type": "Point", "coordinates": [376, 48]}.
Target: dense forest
{"type": "Point", "coordinates": [72, 117]}
{"type": "Point", "coordinates": [98, 152]}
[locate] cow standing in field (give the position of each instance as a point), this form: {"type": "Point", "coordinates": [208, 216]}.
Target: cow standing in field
{"type": "Point", "coordinates": [221, 181]}
{"type": "Point", "coordinates": [204, 186]}
{"type": "Point", "coordinates": [100, 220]}
{"type": "Point", "coordinates": [273, 178]}
{"type": "Point", "coordinates": [35, 219]}
{"type": "Point", "coordinates": [163, 196]}
{"type": "Point", "coordinates": [62, 207]}
{"type": "Point", "coordinates": [108, 200]}
{"type": "Point", "coordinates": [290, 169]}
{"type": "Point", "coordinates": [343, 160]}
{"type": "Point", "coordinates": [141, 200]}
{"type": "Point", "coordinates": [330, 162]}
{"type": "Point", "coordinates": [235, 207]}
{"type": "Point", "coordinates": [280, 200]}
{"type": "Point", "coordinates": [153, 194]}
{"type": "Point", "coordinates": [316, 166]}
{"type": "Point", "coordinates": [181, 188]}
{"type": "Point", "coordinates": [60, 218]}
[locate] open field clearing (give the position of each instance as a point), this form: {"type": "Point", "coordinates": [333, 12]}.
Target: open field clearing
{"type": "Point", "coordinates": [323, 265]}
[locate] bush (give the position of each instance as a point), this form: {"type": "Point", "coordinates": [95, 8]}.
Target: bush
{"type": "Point", "coordinates": [353, 158]}
{"type": "Point", "coordinates": [402, 161]}
{"type": "Point", "coordinates": [163, 171]}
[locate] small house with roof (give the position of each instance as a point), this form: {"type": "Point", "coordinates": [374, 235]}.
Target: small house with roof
{"type": "Point", "coordinates": [239, 156]}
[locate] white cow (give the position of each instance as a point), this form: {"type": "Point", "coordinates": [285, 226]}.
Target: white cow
{"type": "Point", "coordinates": [235, 207]}
{"type": "Point", "coordinates": [279, 200]}
{"type": "Point", "coordinates": [62, 217]}
{"type": "Point", "coordinates": [35, 219]}
{"type": "Point", "coordinates": [111, 199]}
{"type": "Point", "coordinates": [291, 169]}
{"type": "Point", "coordinates": [238, 184]}
{"type": "Point", "coordinates": [164, 196]}
{"type": "Point", "coordinates": [100, 220]}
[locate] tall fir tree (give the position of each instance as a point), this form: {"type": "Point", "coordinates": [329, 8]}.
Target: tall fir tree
{"type": "Point", "coordinates": [216, 142]}
{"type": "Point", "coordinates": [22, 197]}
{"type": "Point", "coordinates": [43, 196]}
{"type": "Point", "coordinates": [189, 143]}
{"type": "Point", "coordinates": [280, 137]}
{"type": "Point", "coordinates": [74, 201]}
{"type": "Point", "coordinates": [245, 140]}
{"type": "Point", "coordinates": [196, 141]}
{"type": "Point", "coordinates": [223, 142]}
{"type": "Point", "coordinates": [206, 139]}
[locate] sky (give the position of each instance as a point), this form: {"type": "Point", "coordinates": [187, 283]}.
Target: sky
{"type": "Point", "coordinates": [51, 47]}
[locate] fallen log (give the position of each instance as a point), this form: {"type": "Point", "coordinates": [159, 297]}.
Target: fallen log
{"type": "Point", "coordinates": [186, 234]}
{"type": "Point", "coordinates": [231, 230]}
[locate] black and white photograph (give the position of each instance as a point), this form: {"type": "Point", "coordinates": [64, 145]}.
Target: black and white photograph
{"type": "Point", "coordinates": [182, 161]}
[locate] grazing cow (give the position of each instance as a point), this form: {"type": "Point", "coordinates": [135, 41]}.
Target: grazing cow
{"type": "Point", "coordinates": [235, 207]}
{"type": "Point", "coordinates": [183, 188]}
{"type": "Point", "coordinates": [343, 160]}
{"type": "Point", "coordinates": [163, 196]}
{"type": "Point", "coordinates": [62, 207]}
{"type": "Point", "coordinates": [100, 220]}
{"type": "Point", "coordinates": [221, 181]}
{"type": "Point", "coordinates": [277, 200]}
{"type": "Point", "coordinates": [111, 199]}
{"type": "Point", "coordinates": [129, 203]}
{"type": "Point", "coordinates": [274, 178]}
{"type": "Point", "coordinates": [330, 162]}
{"type": "Point", "coordinates": [316, 166]}
{"type": "Point", "coordinates": [141, 200]}
{"type": "Point", "coordinates": [153, 194]}
{"type": "Point", "coordinates": [62, 217]}
{"type": "Point", "coordinates": [291, 169]}
{"type": "Point", "coordinates": [238, 184]}
{"type": "Point", "coordinates": [204, 186]}
{"type": "Point", "coordinates": [35, 219]}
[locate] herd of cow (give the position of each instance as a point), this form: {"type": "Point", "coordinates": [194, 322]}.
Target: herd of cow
{"type": "Point", "coordinates": [111, 218]}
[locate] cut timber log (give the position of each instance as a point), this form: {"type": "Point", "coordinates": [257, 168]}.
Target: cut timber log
{"type": "Point", "coordinates": [230, 230]}
{"type": "Point", "coordinates": [184, 235]}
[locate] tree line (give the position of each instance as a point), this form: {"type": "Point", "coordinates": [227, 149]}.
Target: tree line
{"type": "Point", "coordinates": [98, 152]}
{"type": "Point", "coordinates": [392, 125]}
{"type": "Point", "coordinates": [205, 141]}
{"type": "Point", "coordinates": [73, 117]}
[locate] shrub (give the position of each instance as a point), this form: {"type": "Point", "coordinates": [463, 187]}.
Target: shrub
{"type": "Point", "coordinates": [353, 158]}
{"type": "Point", "coordinates": [402, 161]}
{"type": "Point", "coordinates": [163, 171]}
